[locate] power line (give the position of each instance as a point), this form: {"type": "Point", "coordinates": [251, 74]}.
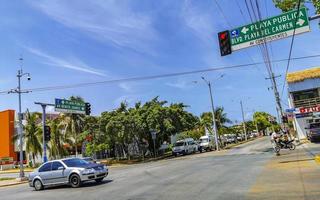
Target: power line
{"type": "Point", "coordinates": [141, 78]}
{"type": "Point", "coordinates": [291, 46]}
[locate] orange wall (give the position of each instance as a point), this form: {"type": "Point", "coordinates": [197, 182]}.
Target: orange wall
{"type": "Point", "coordinates": [6, 134]}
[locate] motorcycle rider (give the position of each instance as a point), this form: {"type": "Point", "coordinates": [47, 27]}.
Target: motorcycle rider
{"type": "Point", "coordinates": [274, 139]}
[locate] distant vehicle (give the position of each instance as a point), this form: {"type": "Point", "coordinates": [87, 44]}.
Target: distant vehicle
{"type": "Point", "coordinates": [230, 138]}
{"type": "Point", "coordinates": [183, 147]}
{"type": "Point", "coordinates": [314, 132]}
{"type": "Point", "coordinates": [90, 160]}
{"type": "Point", "coordinates": [240, 138]}
{"type": "Point", "coordinates": [206, 143]}
{"type": "Point", "coordinates": [72, 171]}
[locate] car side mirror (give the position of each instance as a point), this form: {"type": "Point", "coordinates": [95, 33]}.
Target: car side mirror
{"type": "Point", "coordinates": [61, 168]}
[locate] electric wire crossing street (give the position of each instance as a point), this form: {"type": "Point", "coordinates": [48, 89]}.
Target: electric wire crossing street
{"type": "Point", "coordinates": [141, 101]}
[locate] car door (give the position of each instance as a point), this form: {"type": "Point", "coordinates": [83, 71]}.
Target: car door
{"type": "Point", "coordinates": [57, 173]}
{"type": "Point", "coordinates": [45, 173]}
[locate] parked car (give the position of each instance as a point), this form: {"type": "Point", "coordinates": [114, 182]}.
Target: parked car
{"type": "Point", "coordinates": [72, 171]}
{"type": "Point", "coordinates": [207, 143]}
{"type": "Point", "coordinates": [313, 133]}
{"type": "Point", "coordinates": [231, 139]}
{"type": "Point", "coordinates": [240, 138]}
{"type": "Point", "coordinates": [90, 160]}
{"type": "Point", "coordinates": [183, 147]}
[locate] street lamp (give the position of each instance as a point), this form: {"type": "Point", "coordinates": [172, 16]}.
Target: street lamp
{"type": "Point", "coordinates": [20, 132]}
{"type": "Point", "coordinates": [213, 114]}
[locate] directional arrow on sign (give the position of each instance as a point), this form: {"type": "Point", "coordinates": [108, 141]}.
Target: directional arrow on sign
{"type": "Point", "coordinates": [244, 30]}
{"type": "Point", "coordinates": [300, 22]}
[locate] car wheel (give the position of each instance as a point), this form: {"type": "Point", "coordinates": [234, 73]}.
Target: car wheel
{"type": "Point", "coordinates": [75, 180]}
{"type": "Point", "coordinates": [99, 180]}
{"type": "Point", "coordinates": [38, 185]}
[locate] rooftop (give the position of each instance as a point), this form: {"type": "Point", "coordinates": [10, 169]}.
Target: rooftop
{"type": "Point", "coordinates": [302, 75]}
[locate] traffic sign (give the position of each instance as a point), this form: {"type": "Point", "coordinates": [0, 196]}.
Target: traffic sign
{"type": "Point", "coordinates": [67, 106]}
{"type": "Point", "coordinates": [153, 134]}
{"type": "Point", "coordinates": [270, 29]}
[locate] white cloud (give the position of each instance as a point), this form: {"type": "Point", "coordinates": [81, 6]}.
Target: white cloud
{"type": "Point", "coordinates": [75, 64]}
{"type": "Point", "coordinates": [130, 99]}
{"type": "Point", "coordinates": [180, 84]}
{"type": "Point", "coordinates": [51, 110]}
{"type": "Point", "coordinates": [109, 21]}
{"type": "Point", "coordinates": [201, 23]}
{"type": "Point", "coordinates": [125, 86]}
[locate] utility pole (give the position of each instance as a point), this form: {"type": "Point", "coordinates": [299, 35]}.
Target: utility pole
{"type": "Point", "coordinates": [244, 122]}
{"type": "Point", "coordinates": [44, 105]}
{"type": "Point", "coordinates": [20, 115]}
{"type": "Point", "coordinates": [213, 115]}
{"type": "Point", "coordinates": [276, 94]}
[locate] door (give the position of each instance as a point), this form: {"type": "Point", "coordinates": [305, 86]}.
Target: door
{"type": "Point", "coordinates": [57, 173]}
{"type": "Point", "coordinates": [45, 173]}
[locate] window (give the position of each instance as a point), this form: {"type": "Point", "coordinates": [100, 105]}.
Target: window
{"type": "Point", "coordinates": [75, 162]}
{"type": "Point", "coordinates": [179, 144]}
{"type": "Point", "coordinates": [307, 94]}
{"type": "Point", "coordinates": [46, 167]}
{"type": "Point", "coordinates": [56, 165]}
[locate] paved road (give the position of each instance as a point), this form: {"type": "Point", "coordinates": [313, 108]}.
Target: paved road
{"type": "Point", "coordinates": [214, 175]}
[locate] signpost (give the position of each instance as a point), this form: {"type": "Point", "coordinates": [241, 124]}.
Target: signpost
{"type": "Point", "coordinates": [67, 106]}
{"type": "Point", "coordinates": [270, 29]}
{"type": "Point", "coordinates": [154, 136]}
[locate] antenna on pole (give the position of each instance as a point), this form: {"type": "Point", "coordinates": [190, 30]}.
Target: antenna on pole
{"type": "Point", "coordinates": [21, 62]}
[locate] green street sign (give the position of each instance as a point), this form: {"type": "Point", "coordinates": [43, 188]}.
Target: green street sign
{"type": "Point", "coordinates": [67, 106]}
{"type": "Point", "coordinates": [271, 29]}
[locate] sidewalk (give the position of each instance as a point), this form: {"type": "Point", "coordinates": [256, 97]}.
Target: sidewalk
{"type": "Point", "coordinates": [313, 149]}
{"type": "Point", "coordinates": [11, 182]}
{"type": "Point", "coordinates": [292, 175]}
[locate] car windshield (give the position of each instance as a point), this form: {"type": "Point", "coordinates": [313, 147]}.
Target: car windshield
{"type": "Point", "coordinates": [178, 144]}
{"type": "Point", "coordinates": [204, 140]}
{"type": "Point", "coordinates": [76, 163]}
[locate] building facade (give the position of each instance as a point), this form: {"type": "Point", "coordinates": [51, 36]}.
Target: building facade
{"type": "Point", "coordinates": [304, 100]}
{"type": "Point", "coordinates": [7, 131]}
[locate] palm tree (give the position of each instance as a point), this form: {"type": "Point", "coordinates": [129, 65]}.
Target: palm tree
{"type": "Point", "coordinates": [221, 117]}
{"type": "Point", "coordinates": [58, 137]}
{"type": "Point", "coordinates": [33, 135]}
{"type": "Point", "coordinates": [74, 124]}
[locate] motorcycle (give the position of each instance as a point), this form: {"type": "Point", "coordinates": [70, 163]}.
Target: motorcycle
{"type": "Point", "coordinates": [285, 145]}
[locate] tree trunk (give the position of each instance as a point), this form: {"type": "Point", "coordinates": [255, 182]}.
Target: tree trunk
{"type": "Point", "coordinates": [33, 160]}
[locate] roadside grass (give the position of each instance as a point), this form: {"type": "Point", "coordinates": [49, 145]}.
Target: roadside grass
{"type": "Point", "coordinates": [6, 179]}
{"type": "Point", "coordinates": [16, 170]}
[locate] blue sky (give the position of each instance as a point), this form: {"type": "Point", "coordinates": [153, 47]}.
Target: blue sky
{"type": "Point", "coordinates": [69, 42]}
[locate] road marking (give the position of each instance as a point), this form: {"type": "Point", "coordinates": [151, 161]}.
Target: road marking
{"type": "Point", "coordinates": [317, 159]}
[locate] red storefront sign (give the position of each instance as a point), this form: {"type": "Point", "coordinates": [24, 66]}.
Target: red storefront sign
{"type": "Point", "coordinates": [309, 110]}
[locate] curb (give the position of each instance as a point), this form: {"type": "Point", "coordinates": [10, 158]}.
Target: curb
{"type": "Point", "coordinates": [14, 183]}
{"type": "Point", "coordinates": [14, 172]}
{"type": "Point", "coordinates": [317, 159]}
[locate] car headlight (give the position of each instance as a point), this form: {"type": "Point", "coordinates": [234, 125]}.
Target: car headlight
{"type": "Point", "coordinates": [105, 167]}
{"type": "Point", "coordinates": [88, 171]}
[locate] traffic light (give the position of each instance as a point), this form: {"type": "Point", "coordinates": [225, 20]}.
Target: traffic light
{"type": "Point", "coordinates": [47, 133]}
{"type": "Point", "coordinates": [224, 43]}
{"type": "Point", "coordinates": [88, 108]}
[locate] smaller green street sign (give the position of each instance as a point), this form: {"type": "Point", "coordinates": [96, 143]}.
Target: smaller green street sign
{"type": "Point", "coordinates": [67, 106]}
{"type": "Point", "coordinates": [274, 28]}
